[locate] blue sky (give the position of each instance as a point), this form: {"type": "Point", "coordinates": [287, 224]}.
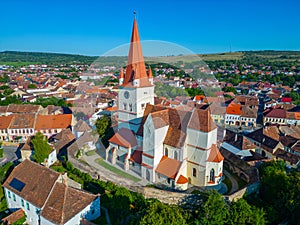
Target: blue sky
{"type": "Point", "coordinates": [92, 27]}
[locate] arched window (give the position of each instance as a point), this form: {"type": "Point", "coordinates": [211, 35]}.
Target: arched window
{"type": "Point", "coordinates": [194, 172]}
{"type": "Point", "coordinates": [147, 175]}
{"type": "Point", "coordinates": [175, 155]}
{"type": "Point", "coordinates": [125, 106]}
{"type": "Point", "coordinates": [212, 175]}
{"type": "Point", "coordinates": [166, 152]}
{"type": "Point", "coordinates": [130, 107]}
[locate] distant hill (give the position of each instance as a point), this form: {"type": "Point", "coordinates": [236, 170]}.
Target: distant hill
{"type": "Point", "coordinates": [25, 58]}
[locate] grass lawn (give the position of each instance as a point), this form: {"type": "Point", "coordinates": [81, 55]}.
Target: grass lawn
{"type": "Point", "coordinates": [115, 170]}
{"type": "Point", "coordinates": [90, 153]}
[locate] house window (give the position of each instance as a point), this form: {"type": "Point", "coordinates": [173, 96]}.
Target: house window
{"type": "Point", "coordinates": [143, 105]}
{"type": "Point", "coordinates": [22, 202]}
{"type": "Point", "coordinates": [130, 107]}
{"type": "Point", "coordinates": [212, 175]}
{"type": "Point", "coordinates": [8, 193]}
{"type": "Point", "coordinates": [14, 197]}
{"type": "Point", "coordinates": [194, 172]}
{"type": "Point", "coordinates": [175, 155]}
{"type": "Point", "coordinates": [166, 152]}
{"type": "Point", "coordinates": [125, 106]}
{"type": "Point", "coordinates": [27, 206]}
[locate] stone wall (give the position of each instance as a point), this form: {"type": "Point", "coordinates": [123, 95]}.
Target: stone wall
{"type": "Point", "coordinates": [250, 189]}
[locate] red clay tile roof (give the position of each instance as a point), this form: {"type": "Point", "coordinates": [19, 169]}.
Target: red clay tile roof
{"type": "Point", "coordinates": [239, 141]}
{"type": "Point", "coordinates": [81, 126]}
{"type": "Point", "coordinates": [182, 180]}
{"type": "Point", "coordinates": [201, 120]}
{"type": "Point", "coordinates": [276, 113]}
{"type": "Point", "coordinates": [14, 108]}
{"type": "Point", "coordinates": [22, 121]}
{"type": "Point", "coordinates": [215, 155]}
{"type": "Point", "coordinates": [53, 121]}
{"type": "Point", "coordinates": [64, 203]}
{"type": "Point", "coordinates": [124, 137]}
{"type": "Point", "coordinates": [137, 156]}
{"type": "Point", "coordinates": [149, 109]}
{"type": "Point", "coordinates": [234, 109]}
{"type": "Point", "coordinates": [5, 121]}
{"type": "Point", "coordinates": [38, 181]}
{"type": "Point", "coordinates": [168, 167]}
{"type": "Point", "coordinates": [14, 217]}
{"type": "Point", "coordinates": [160, 118]}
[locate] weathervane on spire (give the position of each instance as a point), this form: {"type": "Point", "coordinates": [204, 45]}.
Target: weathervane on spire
{"type": "Point", "coordinates": [134, 13]}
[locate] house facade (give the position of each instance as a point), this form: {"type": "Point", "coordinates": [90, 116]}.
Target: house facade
{"type": "Point", "coordinates": [46, 198]}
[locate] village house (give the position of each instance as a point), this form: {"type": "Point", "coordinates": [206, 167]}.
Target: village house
{"type": "Point", "coordinates": [49, 125]}
{"type": "Point", "coordinates": [46, 198]}
{"type": "Point", "coordinates": [274, 116]}
{"type": "Point", "coordinates": [238, 144]}
{"type": "Point", "coordinates": [19, 127]}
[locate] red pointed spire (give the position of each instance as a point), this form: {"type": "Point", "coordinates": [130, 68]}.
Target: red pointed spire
{"type": "Point", "coordinates": [121, 73]}
{"type": "Point", "coordinates": [136, 69]}
{"type": "Point", "coordinates": [150, 72]}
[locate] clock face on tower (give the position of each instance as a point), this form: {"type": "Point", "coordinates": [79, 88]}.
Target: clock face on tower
{"type": "Point", "coordinates": [126, 94]}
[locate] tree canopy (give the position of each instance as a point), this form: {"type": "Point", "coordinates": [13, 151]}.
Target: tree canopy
{"type": "Point", "coordinates": [41, 147]}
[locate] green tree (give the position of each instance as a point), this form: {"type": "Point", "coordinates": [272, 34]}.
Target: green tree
{"type": "Point", "coordinates": [104, 129]}
{"type": "Point", "coordinates": [229, 89]}
{"type": "Point", "coordinates": [41, 147]}
{"type": "Point", "coordinates": [215, 210]}
{"type": "Point", "coordinates": [161, 214]}
{"type": "Point", "coordinates": [31, 86]}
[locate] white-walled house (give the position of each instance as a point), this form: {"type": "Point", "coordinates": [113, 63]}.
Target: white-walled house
{"type": "Point", "coordinates": [46, 198]}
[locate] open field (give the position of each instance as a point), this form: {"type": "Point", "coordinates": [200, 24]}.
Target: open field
{"type": "Point", "coordinates": [26, 58]}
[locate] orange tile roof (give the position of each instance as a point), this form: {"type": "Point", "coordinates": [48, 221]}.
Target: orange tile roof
{"type": "Point", "coordinates": [182, 180]}
{"type": "Point", "coordinates": [53, 121]}
{"type": "Point", "coordinates": [64, 203]}
{"type": "Point", "coordinates": [124, 137]}
{"type": "Point", "coordinates": [199, 97]}
{"type": "Point", "coordinates": [14, 217]}
{"type": "Point", "coordinates": [215, 155]}
{"type": "Point", "coordinates": [112, 109]}
{"type": "Point", "coordinates": [234, 109]}
{"type": "Point", "coordinates": [31, 174]}
{"type": "Point", "coordinates": [5, 122]}
{"type": "Point", "coordinates": [201, 120]}
{"type": "Point", "coordinates": [297, 115]}
{"type": "Point", "coordinates": [136, 68]}
{"type": "Point", "coordinates": [168, 167]}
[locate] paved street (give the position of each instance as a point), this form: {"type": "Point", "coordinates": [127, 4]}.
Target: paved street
{"type": "Point", "coordinates": [9, 154]}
